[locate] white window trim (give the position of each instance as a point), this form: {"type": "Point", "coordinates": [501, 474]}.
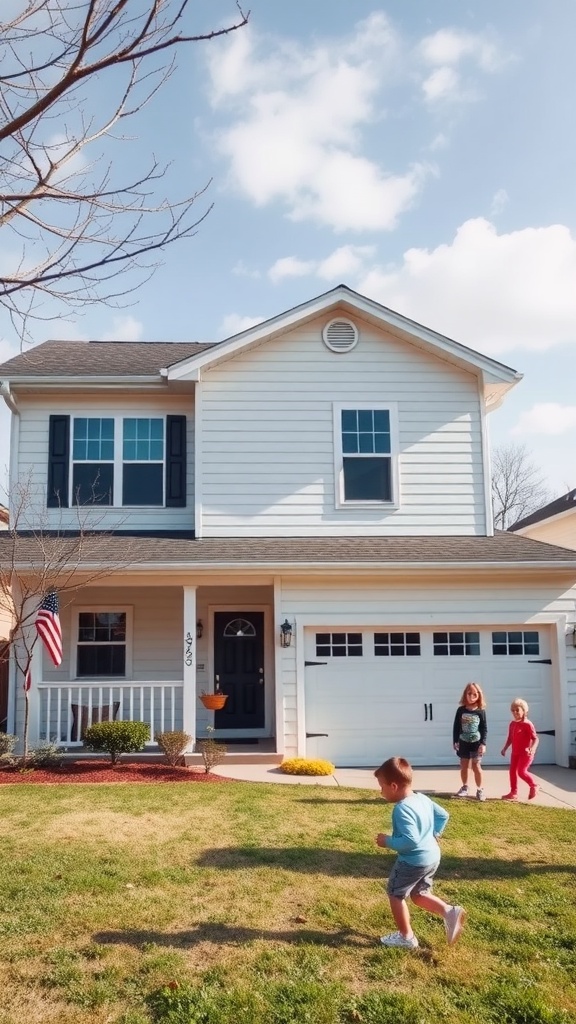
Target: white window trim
{"type": "Point", "coordinates": [128, 611]}
{"type": "Point", "coordinates": [118, 461]}
{"type": "Point", "coordinates": [392, 409]}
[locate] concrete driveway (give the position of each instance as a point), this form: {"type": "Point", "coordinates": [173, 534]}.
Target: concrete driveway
{"type": "Point", "coordinates": [557, 786]}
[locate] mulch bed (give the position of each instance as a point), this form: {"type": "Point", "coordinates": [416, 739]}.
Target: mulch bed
{"type": "Point", "coordinates": [102, 771]}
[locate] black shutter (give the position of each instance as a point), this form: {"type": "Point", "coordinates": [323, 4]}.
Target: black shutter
{"type": "Point", "coordinates": [175, 461]}
{"type": "Point", "coordinates": [58, 461]}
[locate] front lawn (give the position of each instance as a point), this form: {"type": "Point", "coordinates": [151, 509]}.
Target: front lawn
{"type": "Point", "coordinates": [262, 904]}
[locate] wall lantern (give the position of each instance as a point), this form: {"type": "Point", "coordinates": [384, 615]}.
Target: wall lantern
{"type": "Point", "coordinates": [285, 634]}
{"type": "Point", "coordinates": [574, 637]}
{"type": "Point", "coordinates": [199, 629]}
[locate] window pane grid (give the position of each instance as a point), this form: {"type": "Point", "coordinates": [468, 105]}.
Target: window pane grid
{"type": "Point", "coordinates": [339, 645]}
{"type": "Point", "coordinates": [456, 644]}
{"type": "Point", "coordinates": [398, 645]}
{"type": "Point", "coordinates": [365, 431]}
{"type": "Point", "coordinates": [93, 440]}
{"type": "Point", "coordinates": [515, 642]}
{"type": "Point", "coordinates": [143, 440]}
{"type": "Point", "coordinates": [101, 644]}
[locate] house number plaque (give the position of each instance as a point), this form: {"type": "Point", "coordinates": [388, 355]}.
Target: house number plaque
{"type": "Point", "coordinates": [188, 651]}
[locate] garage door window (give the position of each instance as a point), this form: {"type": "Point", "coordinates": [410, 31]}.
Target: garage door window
{"type": "Point", "coordinates": [339, 645]}
{"type": "Point", "coordinates": [396, 645]}
{"type": "Point", "coordinates": [456, 644]}
{"type": "Point", "coordinates": [516, 642]}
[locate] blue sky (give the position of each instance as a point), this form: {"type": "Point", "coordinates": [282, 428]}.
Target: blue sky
{"type": "Point", "coordinates": [423, 153]}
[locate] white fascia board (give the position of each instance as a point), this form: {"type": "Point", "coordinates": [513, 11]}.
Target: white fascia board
{"type": "Point", "coordinates": [332, 568]}
{"type": "Point", "coordinates": [342, 296]}
{"type": "Point", "coordinates": [59, 383]}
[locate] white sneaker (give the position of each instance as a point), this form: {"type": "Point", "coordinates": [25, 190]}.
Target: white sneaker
{"type": "Point", "coordinates": [399, 940]}
{"type": "Point", "coordinates": [463, 791]}
{"type": "Point", "coordinates": [480, 795]}
{"type": "Point", "coordinates": [454, 923]}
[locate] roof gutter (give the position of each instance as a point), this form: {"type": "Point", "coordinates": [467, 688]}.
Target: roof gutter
{"type": "Point", "coordinates": [8, 397]}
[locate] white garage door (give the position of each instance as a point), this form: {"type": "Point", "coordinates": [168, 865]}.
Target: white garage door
{"type": "Point", "coordinates": [373, 693]}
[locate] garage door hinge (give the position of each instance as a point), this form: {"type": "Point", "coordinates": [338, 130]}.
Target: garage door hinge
{"type": "Point", "coordinates": [541, 661]}
{"type": "Point", "coordinates": [315, 663]}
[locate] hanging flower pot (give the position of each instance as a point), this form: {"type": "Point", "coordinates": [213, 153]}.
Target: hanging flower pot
{"type": "Point", "coordinates": [214, 701]}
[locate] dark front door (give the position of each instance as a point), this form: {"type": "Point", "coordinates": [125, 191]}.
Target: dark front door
{"type": "Point", "coordinates": [239, 669]}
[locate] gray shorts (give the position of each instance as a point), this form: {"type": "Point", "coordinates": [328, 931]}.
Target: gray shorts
{"type": "Point", "coordinates": [410, 879]}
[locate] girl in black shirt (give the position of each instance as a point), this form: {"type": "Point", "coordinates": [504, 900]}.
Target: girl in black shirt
{"type": "Point", "coordinates": [469, 737]}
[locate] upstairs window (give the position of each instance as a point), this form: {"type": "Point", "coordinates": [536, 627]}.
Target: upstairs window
{"type": "Point", "coordinates": [115, 460]}
{"type": "Point", "coordinates": [143, 462]}
{"type": "Point", "coordinates": [93, 461]}
{"type": "Point", "coordinates": [365, 454]}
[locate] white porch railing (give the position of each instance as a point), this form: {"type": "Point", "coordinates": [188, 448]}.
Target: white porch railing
{"type": "Point", "coordinates": [67, 709]}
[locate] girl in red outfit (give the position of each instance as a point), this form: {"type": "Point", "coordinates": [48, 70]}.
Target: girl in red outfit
{"type": "Point", "coordinates": [523, 740]}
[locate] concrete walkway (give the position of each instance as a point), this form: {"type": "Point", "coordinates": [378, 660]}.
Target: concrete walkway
{"type": "Point", "coordinates": [557, 786]}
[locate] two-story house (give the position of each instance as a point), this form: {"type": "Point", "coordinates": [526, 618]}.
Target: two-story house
{"type": "Point", "coordinates": [298, 516]}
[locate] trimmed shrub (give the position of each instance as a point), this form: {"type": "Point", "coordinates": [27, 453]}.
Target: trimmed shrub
{"type": "Point", "coordinates": [7, 744]}
{"type": "Point", "coordinates": [45, 755]}
{"type": "Point", "coordinates": [173, 744]}
{"type": "Point", "coordinates": [117, 738]}
{"type": "Point", "coordinates": [306, 766]}
{"type": "Point", "coordinates": [212, 752]}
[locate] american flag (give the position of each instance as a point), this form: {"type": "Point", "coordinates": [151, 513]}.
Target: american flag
{"type": "Point", "coordinates": [48, 626]}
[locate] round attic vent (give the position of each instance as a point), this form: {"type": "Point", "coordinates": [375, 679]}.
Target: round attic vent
{"type": "Point", "coordinates": [340, 335]}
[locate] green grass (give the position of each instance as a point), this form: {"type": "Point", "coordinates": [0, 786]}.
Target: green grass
{"type": "Point", "coordinates": [240, 904]}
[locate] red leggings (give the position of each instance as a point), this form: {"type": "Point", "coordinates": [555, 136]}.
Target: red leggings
{"type": "Point", "coordinates": [519, 765]}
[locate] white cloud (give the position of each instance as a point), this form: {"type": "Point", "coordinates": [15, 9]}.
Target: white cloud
{"type": "Point", "coordinates": [499, 202]}
{"type": "Point", "coordinates": [440, 84]}
{"type": "Point", "coordinates": [343, 262]}
{"type": "Point", "coordinates": [493, 292]}
{"type": "Point", "coordinates": [297, 117]}
{"type": "Point", "coordinates": [290, 266]}
{"type": "Point", "coordinates": [546, 418]}
{"type": "Point", "coordinates": [125, 328]}
{"type": "Point", "coordinates": [449, 48]}
{"type": "Point", "coordinates": [234, 323]}
{"type": "Point", "coordinates": [241, 269]}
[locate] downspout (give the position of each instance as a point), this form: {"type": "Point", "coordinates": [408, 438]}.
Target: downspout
{"type": "Point", "coordinates": [11, 403]}
{"type": "Point", "coordinates": [8, 397]}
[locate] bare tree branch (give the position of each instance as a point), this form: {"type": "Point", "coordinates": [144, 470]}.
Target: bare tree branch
{"type": "Point", "coordinates": [518, 486]}
{"type": "Point", "coordinates": [78, 226]}
{"type": "Point", "coordinates": [35, 559]}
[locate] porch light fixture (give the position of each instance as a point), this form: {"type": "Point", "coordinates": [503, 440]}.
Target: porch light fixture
{"type": "Point", "coordinates": [199, 629]}
{"type": "Point", "coordinates": [285, 634]}
{"type": "Point", "coordinates": [574, 637]}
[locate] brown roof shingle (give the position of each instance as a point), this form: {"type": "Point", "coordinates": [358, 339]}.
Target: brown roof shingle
{"type": "Point", "coordinates": [115, 549]}
{"type": "Point", "coordinates": [99, 358]}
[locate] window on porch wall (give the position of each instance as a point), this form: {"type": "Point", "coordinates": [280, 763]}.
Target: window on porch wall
{"type": "Point", "coordinates": [101, 645]}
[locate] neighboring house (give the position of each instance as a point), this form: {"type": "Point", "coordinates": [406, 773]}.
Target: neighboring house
{"type": "Point", "coordinates": [310, 506]}
{"type": "Point", "coordinates": [3, 518]}
{"type": "Point", "coordinates": [554, 523]}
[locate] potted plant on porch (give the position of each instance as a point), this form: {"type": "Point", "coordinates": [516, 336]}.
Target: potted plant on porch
{"type": "Point", "coordinates": [213, 701]}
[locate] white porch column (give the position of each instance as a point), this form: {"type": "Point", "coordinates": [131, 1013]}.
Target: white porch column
{"type": "Point", "coordinates": [189, 666]}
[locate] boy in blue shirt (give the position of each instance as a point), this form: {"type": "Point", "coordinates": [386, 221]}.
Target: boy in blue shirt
{"type": "Point", "coordinates": [417, 822]}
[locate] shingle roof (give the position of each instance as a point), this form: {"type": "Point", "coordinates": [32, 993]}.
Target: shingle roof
{"type": "Point", "coordinates": [100, 358]}
{"type": "Point", "coordinates": [566, 503]}
{"type": "Point", "coordinates": [123, 549]}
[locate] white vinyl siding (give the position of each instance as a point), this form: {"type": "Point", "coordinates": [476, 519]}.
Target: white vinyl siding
{"type": "Point", "coordinates": [33, 459]}
{"type": "Point", "coordinates": [268, 439]}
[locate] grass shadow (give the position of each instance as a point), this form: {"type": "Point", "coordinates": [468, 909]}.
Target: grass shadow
{"type": "Point", "coordinates": [223, 934]}
{"type": "Point", "coordinates": [341, 863]}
